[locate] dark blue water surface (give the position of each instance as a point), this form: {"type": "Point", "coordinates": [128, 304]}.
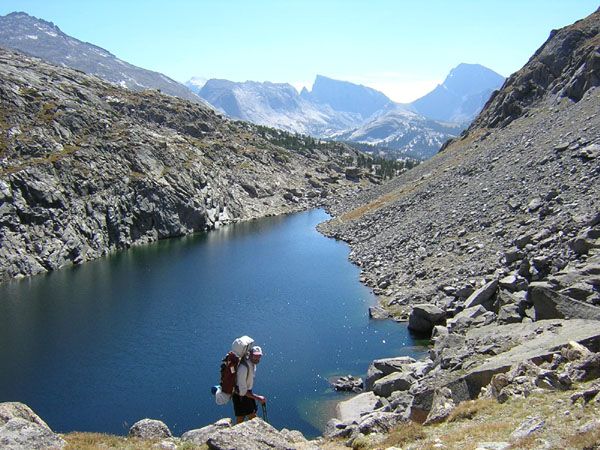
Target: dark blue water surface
{"type": "Point", "coordinates": [141, 333]}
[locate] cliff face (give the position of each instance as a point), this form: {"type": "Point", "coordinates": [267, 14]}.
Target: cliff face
{"type": "Point", "coordinates": [517, 196]}
{"type": "Point", "coordinates": [87, 168]}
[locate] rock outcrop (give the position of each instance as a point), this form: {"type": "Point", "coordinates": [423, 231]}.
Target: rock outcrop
{"type": "Point", "coordinates": [150, 429]}
{"type": "Point", "coordinates": [21, 428]}
{"type": "Point", "coordinates": [495, 361]}
{"type": "Point", "coordinates": [87, 168]}
{"type": "Point", "coordinates": [256, 434]}
{"type": "Point", "coordinates": [567, 65]}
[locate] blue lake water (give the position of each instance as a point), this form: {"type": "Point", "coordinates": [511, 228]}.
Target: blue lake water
{"type": "Point", "coordinates": [141, 333]}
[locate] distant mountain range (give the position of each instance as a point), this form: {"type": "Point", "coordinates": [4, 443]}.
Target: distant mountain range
{"type": "Point", "coordinates": [332, 109]}
{"type": "Point", "coordinates": [36, 37]}
{"type": "Point", "coordinates": [341, 110]}
{"type": "Point", "coordinates": [276, 105]}
{"type": "Point", "coordinates": [402, 132]}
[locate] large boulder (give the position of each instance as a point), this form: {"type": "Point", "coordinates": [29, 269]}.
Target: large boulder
{"type": "Point", "coordinates": [509, 314]}
{"type": "Point", "coordinates": [20, 434]}
{"type": "Point", "coordinates": [474, 316]}
{"type": "Point", "coordinates": [22, 429]}
{"type": "Point", "coordinates": [382, 367]}
{"type": "Point", "coordinates": [424, 317]}
{"type": "Point", "coordinates": [351, 410]}
{"type": "Point", "coordinates": [10, 410]}
{"type": "Point", "coordinates": [445, 340]}
{"type": "Point", "coordinates": [201, 435]}
{"type": "Point", "coordinates": [483, 296]}
{"type": "Point", "coordinates": [397, 381]}
{"type": "Point", "coordinates": [150, 429]}
{"type": "Point", "coordinates": [254, 434]}
{"type": "Point", "coordinates": [508, 345]}
{"type": "Point", "coordinates": [379, 422]}
{"type": "Point", "coordinates": [585, 241]}
{"type": "Point", "coordinates": [550, 304]}
{"type": "Point", "coordinates": [442, 406]}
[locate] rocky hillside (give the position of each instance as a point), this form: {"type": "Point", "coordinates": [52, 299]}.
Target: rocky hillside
{"type": "Point", "coordinates": [36, 37]}
{"type": "Point", "coordinates": [87, 167]}
{"type": "Point", "coordinates": [519, 194]}
{"type": "Point", "coordinates": [492, 249]}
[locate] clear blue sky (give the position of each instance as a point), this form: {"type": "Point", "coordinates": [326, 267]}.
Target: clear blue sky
{"type": "Point", "coordinates": [403, 48]}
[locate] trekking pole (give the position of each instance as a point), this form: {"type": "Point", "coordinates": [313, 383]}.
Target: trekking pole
{"type": "Point", "coordinates": [264, 410]}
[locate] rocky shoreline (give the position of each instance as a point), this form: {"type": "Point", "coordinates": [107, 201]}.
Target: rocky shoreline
{"type": "Point", "coordinates": [88, 168]}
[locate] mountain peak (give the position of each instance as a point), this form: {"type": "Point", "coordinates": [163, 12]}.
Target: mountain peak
{"type": "Point", "coordinates": [460, 97]}
{"type": "Point", "coordinates": [25, 18]}
{"type": "Point", "coordinates": [346, 96]}
{"type": "Point", "coordinates": [468, 79]}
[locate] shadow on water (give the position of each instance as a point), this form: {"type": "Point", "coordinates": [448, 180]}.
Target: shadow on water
{"type": "Point", "coordinates": [141, 333]}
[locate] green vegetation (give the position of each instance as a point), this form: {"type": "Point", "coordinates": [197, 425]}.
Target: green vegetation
{"type": "Point", "coordinates": [385, 168]}
{"type": "Point", "coordinates": [4, 127]}
{"type": "Point", "coordinates": [300, 143]}
{"type": "Point", "coordinates": [404, 434]}
{"type": "Point", "coordinates": [296, 142]}
{"type": "Point", "coordinates": [51, 158]}
{"type": "Point", "coordinates": [306, 145]}
{"type": "Point", "coordinates": [30, 92]}
{"type": "Point", "coordinates": [137, 175]}
{"type": "Point", "coordinates": [245, 165]}
{"type": "Point", "coordinates": [47, 112]}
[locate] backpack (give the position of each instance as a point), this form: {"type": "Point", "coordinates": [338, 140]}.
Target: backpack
{"type": "Point", "coordinates": [239, 349]}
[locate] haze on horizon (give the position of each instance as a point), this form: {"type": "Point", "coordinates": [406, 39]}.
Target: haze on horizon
{"type": "Point", "coordinates": [402, 49]}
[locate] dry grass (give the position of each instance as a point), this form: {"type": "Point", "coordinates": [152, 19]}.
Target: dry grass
{"type": "Point", "coordinates": [92, 441]}
{"type": "Point", "coordinates": [469, 435]}
{"type": "Point", "coordinates": [484, 420]}
{"type": "Point", "coordinates": [586, 440]}
{"type": "Point", "coordinates": [405, 434]}
{"type": "Point", "coordinates": [372, 206]}
{"type": "Point", "coordinates": [529, 442]}
{"type": "Point", "coordinates": [468, 409]}
{"type": "Point", "coordinates": [95, 441]}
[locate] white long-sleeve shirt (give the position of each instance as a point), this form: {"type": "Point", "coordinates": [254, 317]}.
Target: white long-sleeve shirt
{"type": "Point", "coordinates": [245, 376]}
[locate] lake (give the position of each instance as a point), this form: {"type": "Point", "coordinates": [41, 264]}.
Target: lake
{"type": "Point", "coordinates": [141, 333]}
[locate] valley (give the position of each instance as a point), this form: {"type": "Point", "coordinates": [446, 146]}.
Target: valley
{"type": "Point", "coordinates": [488, 249]}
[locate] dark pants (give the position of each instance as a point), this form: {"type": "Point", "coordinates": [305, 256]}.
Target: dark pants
{"type": "Point", "coordinates": [243, 406]}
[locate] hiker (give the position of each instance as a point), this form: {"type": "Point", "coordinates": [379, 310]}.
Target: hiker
{"type": "Point", "coordinates": [244, 400]}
